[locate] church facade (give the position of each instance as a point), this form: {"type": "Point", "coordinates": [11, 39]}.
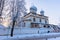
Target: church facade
{"type": "Point", "coordinates": [34, 20]}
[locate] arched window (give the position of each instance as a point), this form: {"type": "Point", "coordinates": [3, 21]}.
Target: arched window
{"type": "Point", "coordinates": [44, 26]}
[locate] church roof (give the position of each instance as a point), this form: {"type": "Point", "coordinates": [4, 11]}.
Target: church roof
{"type": "Point", "coordinates": [35, 14]}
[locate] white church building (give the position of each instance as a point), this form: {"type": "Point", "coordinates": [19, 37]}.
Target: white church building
{"type": "Point", "coordinates": [32, 23]}
{"type": "Point", "coordinates": [34, 20]}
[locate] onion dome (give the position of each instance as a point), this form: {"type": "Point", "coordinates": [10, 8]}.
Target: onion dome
{"type": "Point", "coordinates": [33, 9]}
{"type": "Point", "coordinates": [42, 12]}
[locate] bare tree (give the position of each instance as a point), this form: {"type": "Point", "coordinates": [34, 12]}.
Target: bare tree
{"type": "Point", "coordinates": [1, 6]}
{"type": "Point", "coordinates": [18, 9]}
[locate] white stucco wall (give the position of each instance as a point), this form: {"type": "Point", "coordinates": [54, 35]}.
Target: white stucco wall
{"type": "Point", "coordinates": [18, 30]}
{"type": "Point", "coordinates": [47, 21]}
{"type": "Point", "coordinates": [27, 24]}
{"type": "Point", "coordinates": [40, 25]}
{"type": "Point", "coordinates": [30, 18]}
{"type": "Point", "coordinates": [43, 20]}
{"type": "Point", "coordinates": [37, 20]}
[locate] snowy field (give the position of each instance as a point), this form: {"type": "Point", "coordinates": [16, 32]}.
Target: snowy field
{"type": "Point", "coordinates": [4, 38]}
{"type": "Point", "coordinates": [48, 36]}
{"type": "Point", "coordinates": [36, 36]}
{"type": "Point", "coordinates": [57, 38]}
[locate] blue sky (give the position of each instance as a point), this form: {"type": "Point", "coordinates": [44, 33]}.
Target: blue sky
{"type": "Point", "coordinates": [51, 8]}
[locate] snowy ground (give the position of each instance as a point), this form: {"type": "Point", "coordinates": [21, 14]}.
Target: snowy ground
{"type": "Point", "coordinates": [48, 36]}
{"type": "Point", "coordinates": [57, 38]}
